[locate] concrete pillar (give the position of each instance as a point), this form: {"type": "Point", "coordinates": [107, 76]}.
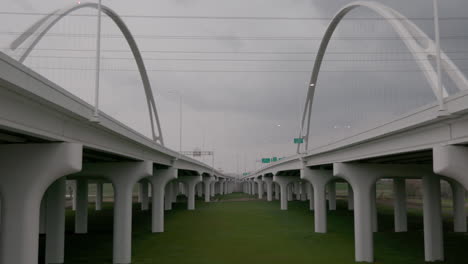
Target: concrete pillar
{"type": "Point", "coordinates": [55, 227]}
{"type": "Point", "coordinates": [27, 171]}
{"type": "Point", "coordinates": [72, 185]}
{"type": "Point", "coordinates": [168, 196]}
{"type": "Point", "coordinates": [459, 213]}
{"type": "Point", "coordinates": [124, 176]}
{"type": "Point", "coordinates": [297, 190]}
{"type": "Point", "coordinates": [290, 192]}
{"type": "Point", "coordinates": [350, 198]}
{"type": "Point", "coordinates": [362, 178]}
{"type": "Point", "coordinates": [319, 180]}
{"type": "Point", "coordinates": [190, 183]}
{"type": "Point", "coordinates": [283, 182]}
{"type": "Point", "coordinates": [81, 213]}
{"type": "Point", "coordinates": [363, 182]}
{"type": "Point", "coordinates": [303, 191]}
{"type": "Point", "coordinates": [260, 187]}
{"type": "Point", "coordinates": [99, 196]}
{"type": "Point", "coordinates": [269, 182]}
{"type": "Point", "coordinates": [43, 215]}
{"type": "Point", "coordinates": [375, 226]}
{"type": "Point", "coordinates": [207, 185]}
{"type": "Point", "coordinates": [144, 195]}
{"type": "Point", "coordinates": [212, 186]}
{"type": "Point", "coordinates": [433, 234]}
{"type": "Point", "coordinates": [200, 189]}
{"type": "Point", "coordinates": [332, 196]}
{"type": "Point", "coordinates": [310, 194]}
{"type": "Point", "coordinates": [277, 191]}
{"type": "Point", "coordinates": [159, 183]}
{"type": "Point", "coordinates": [175, 191]}
{"type": "Point", "coordinates": [253, 188]}
{"type": "Point", "coordinates": [399, 199]}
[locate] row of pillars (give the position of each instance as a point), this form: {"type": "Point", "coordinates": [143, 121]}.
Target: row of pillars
{"type": "Point", "coordinates": [318, 186]}
{"type": "Point", "coordinates": [33, 196]}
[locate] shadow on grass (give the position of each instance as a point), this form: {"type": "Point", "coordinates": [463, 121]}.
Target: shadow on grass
{"type": "Point", "coordinates": [251, 232]}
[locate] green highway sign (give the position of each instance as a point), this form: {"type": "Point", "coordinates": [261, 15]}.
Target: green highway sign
{"type": "Point", "coordinates": [274, 159]}
{"type": "Point", "coordinates": [266, 160]}
{"type": "Point", "coordinates": [298, 140]}
{"type": "Point", "coordinates": [245, 173]}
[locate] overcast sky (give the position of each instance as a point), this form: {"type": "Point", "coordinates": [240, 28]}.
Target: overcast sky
{"type": "Point", "coordinates": [242, 81]}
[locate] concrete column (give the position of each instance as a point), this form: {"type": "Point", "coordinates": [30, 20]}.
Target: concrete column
{"type": "Point", "coordinates": [433, 234]}
{"type": "Point", "coordinates": [253, 187]}
{"type": "Point", "coordinates": [375, 226]}
{"type": "Point", "coordinates": [363, 181]}
{"type": "Point", "coordinates": [190, 183]}
{"type": "Point", "coordinates": [99, 196]}
{"type": "Point", "coordinates": [399, 199]}
{"type": "Point", "coordinates": [290, 192]}
{"type": "Point", "coordinates": [332, 196]}
{"type": "Point", "coordinates": [81, 214]}
{"type": "Point", "coordinates": [200, 189]}
{"type": "Point", "coordinates": [168, 196]}
{"type": "Point", "coordinates": [175, 191]}
{"type": "Point", "coordinates": [269, 183]}
{"type": "Point", "coordinates": [55, 227]}
{"type": "Point", "coordinates": [319, 180]}
{"type": "Point", "coordinates": [260, 187]}
{"type": "Point", "coordinates": [277, 192]}
{"type": "Point", "coordinates": [27, 171]}
{"type": "Point", "coordinates": [297, 190]}
{"type": "Point", "coordinates": [207, 186]}
{"type": "Point", "coordinates": [310, 194]}
{"type": "Point", "coordinates": [144, 195]}
{"type": "Point", "coordinates": [350, 198]}
{"type": "Point", "coordinates": [303, 191]}
{"type": "Point", "coordinates": [212, 190]}
{"type": "Point", "coordinates": [459, 213]}
{"type": "Point", "coordinates": [43, 215]}
{"type": "Point", "coordinates": [283, 182]}
{"type": "Point", "coordinates": [72, 185]}
{"type": "Point", "coordinates": [159, 183]}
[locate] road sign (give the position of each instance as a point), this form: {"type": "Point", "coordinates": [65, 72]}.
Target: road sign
{"type": "Point", "coordinates": [274, 159]}
{"type": "Point", "coordinates": [266, 160]}
{"type": "Point", "coordinates": [245, 174]}
{"type": "Point", "coordinates": [298, 140]}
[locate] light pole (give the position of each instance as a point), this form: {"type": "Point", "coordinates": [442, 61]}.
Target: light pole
{"type": "Point", "coordinates": [180, 117]}
{"type": "Point", "coordinates": [95, 117]}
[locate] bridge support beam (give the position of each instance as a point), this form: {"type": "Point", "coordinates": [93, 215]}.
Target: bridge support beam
{"type": "Point", "coordinates": [260, 187]}
{"type": "Point", "coordinates": [99, 196]}
{"type": "Point", "coordinates": [332, 196]}
{"type": "Point", "coordinates": [144, 195]}
{"type": "Point", "coordinates": [200, 189]}
{"type": "Point", "coordinates": [269, 186]}
{"type": "Point", "coordinates": [168, 196]}
{"type": "Point", "coordinates": [160, 182]}
{"type": "Point", "coordinates": [27, 171]}
{"type": "Point", "coordinates": [124, 176]}
{"type": "Point", "coordinates": [459, 213]}
{"type": "Point", "coordinates": [207, 185]}
{"type": "Point", "coordinates": [451, 161]}
{"type": "Point", "coordinates": [55, 226]}
{"type": "Point", "coordinates": [190, 183]}
{"type": "Point", "coordinates": [350, 198]}
{"type": "Point", "coordinates": [81, 213]}
{"type": "Point", "coordinates": [283, 182]}
{"type": "Point", "coordinates": [277, 191]}
{"type": "Point", "coordinates": [319, 180]}
{"type": "Point", "coordinates": [432, 211]}
{"type": "Point", "coordinates": [303, 191]}
{"type": "Point", "coordinates": [362, 178]}
{"type": "Point", "coordinates": [310, 195]}
{"type": "Point", "coordinates": [399, 199]}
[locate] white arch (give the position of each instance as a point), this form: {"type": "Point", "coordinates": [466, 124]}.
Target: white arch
{"type": "Point", "coordinates": [419, 44]}
{"type": "Point", "coordinates": [37, 31]}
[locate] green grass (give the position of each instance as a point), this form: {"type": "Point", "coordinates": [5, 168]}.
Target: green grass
{"type": "Point", "coordinates": [256, 231]}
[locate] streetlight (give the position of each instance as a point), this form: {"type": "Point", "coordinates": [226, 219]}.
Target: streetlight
{"type": "Point", "coordinates": [180, 116]}
{"type": "Point", "coordinates": [95, 117]}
